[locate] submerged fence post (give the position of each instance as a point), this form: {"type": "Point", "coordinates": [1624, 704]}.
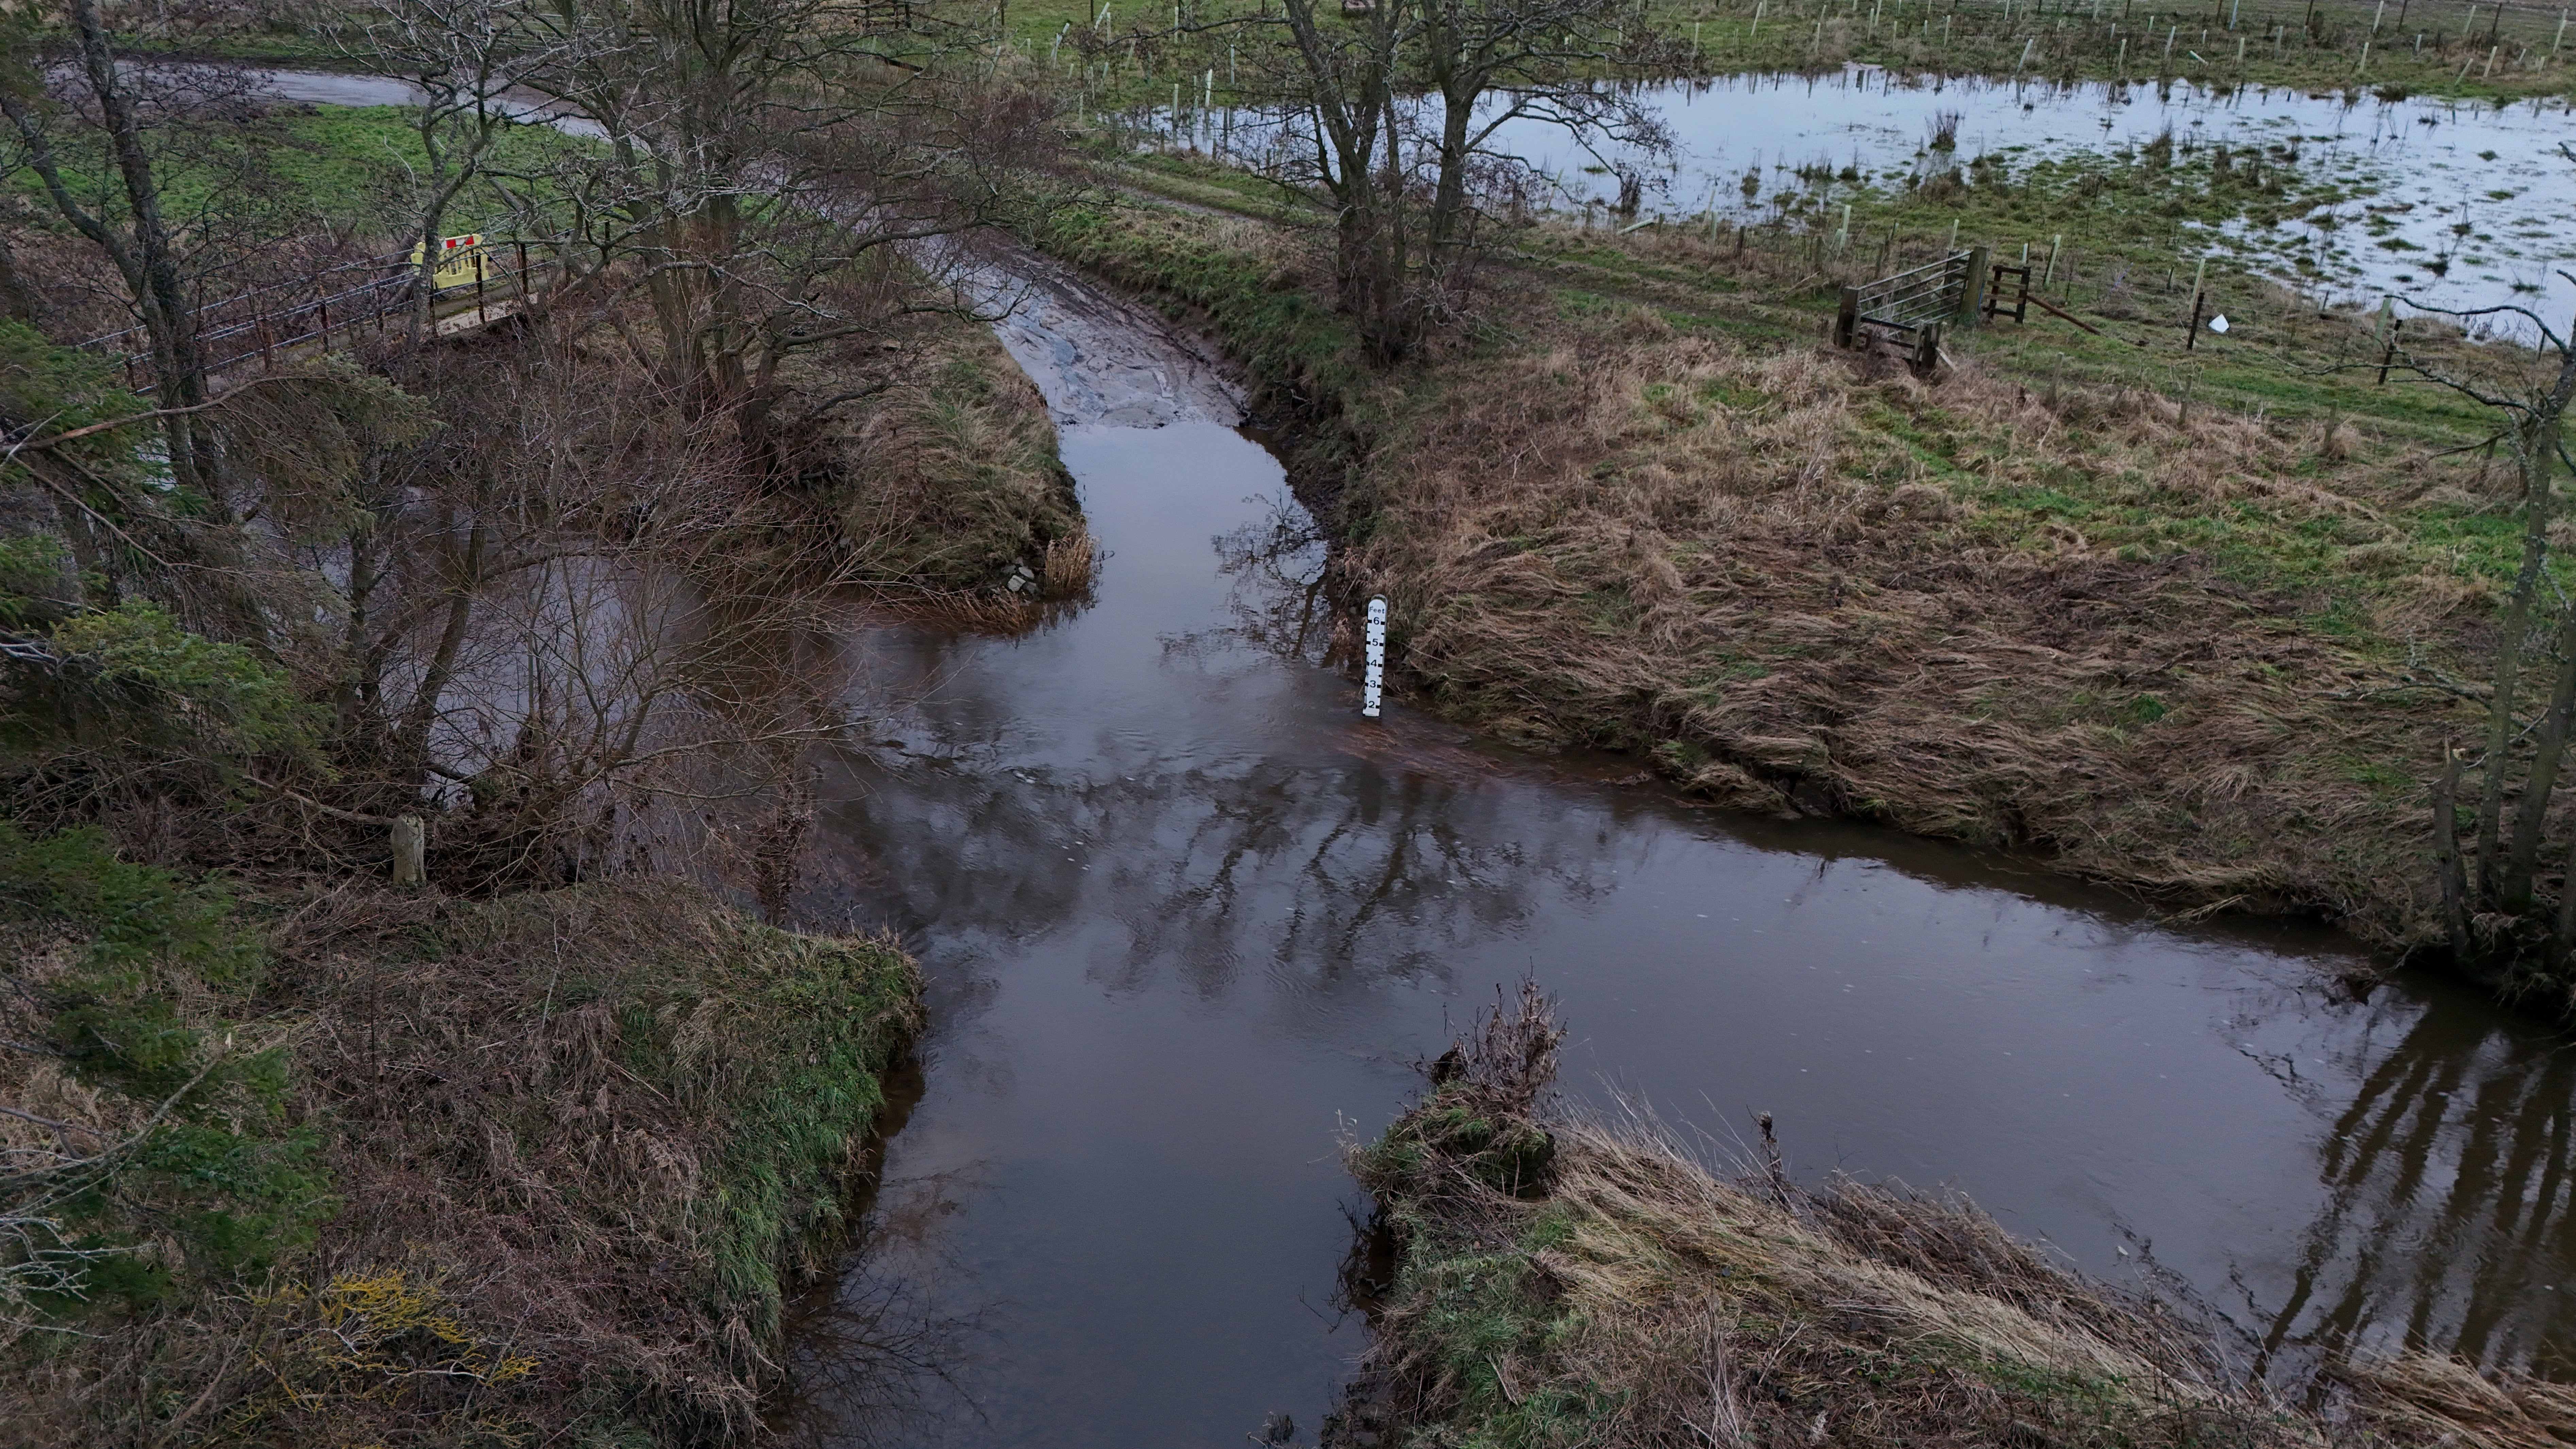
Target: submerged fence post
{"type": "Point", "coordinates": [1373, 682]}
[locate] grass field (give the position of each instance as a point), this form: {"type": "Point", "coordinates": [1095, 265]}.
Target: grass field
{"type": "Point", "coordinates": [291, 168]}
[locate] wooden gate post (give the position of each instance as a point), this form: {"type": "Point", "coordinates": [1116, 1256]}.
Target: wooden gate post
{"type": "Point", "coordinates": [1847, 317]}
{"type": "Point", "coordinates": [1972, 292]}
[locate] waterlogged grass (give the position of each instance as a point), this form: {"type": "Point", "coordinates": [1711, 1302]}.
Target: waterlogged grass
{"type": "Point", "coordinates": [2319, 47]}
{"type": "Point", "coordinates": [1132, 54]}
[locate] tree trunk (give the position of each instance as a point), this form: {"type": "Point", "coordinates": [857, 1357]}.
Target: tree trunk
{"type": "Point", "coordinates": [2496, 767]}
{"type": "Point", "coordinates": [2522, 856]}
{"type": "Point", "coordinates": [2446, 850]}
{"type": "Point", "coordinates": [167, 318]}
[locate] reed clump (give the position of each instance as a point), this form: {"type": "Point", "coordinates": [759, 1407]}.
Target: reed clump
{"type": "Point", "coordinates": [1638, 1296]}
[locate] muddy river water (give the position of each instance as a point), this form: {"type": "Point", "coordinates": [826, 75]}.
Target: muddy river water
{"type": "Point", "coordinates": [1188, 921]}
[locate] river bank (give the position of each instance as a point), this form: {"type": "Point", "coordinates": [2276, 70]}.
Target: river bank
{"type": "Point", "coordinates": [1571, 1278]}
{"type": "Point", "coordinates": [537, 1148]}
{"type": "Point", "coordinates": [429, 1168]}
{"type": "Point", "coordinates": [2186, 650]}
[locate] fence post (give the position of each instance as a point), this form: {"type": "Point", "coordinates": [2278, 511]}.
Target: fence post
{"type": "Point", "coordinates": [1972, 291]}
{"type": "Point", "coordinates": [1927, 348]}
{"type": "Point", "coordinates": [1847, 317]}
{"type": "Point", "coordinates": [409, 850]}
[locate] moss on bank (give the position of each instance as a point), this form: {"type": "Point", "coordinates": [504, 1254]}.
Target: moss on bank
{"type": "Point", "coordinates": [424, 1170]}
{"type": "Point", "coordinates": [2166, 643]}
{"type": "Point", "coordinates": [1613, 1291]}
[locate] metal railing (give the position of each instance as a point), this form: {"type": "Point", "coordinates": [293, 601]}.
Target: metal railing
{"type": "Point", "coordinates": [335, 306]}
{"type": "Point", "coordinates": [1905, 313]}
{"type": "Point", "coordinates": [1932, 292]}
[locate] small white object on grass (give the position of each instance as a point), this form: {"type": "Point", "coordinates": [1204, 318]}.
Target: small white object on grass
{"type": "Point", "coordinates": [2218, 323]}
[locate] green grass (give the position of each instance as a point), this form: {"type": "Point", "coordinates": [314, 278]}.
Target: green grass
{"type": "Point", "coordinates": [355, 168]}
{"type": "Point", "coordinates": [1282, 328]}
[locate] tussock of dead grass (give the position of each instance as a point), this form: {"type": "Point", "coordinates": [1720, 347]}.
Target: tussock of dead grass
{"type": "Point", "coordinates": [582, 1140]}
{"type": "Point", "coordinates": [1637, 1297]}
{"type": "Point", "coordinates": [954, 477]}
{"type": "Point", "coordinates": [1811, 587]}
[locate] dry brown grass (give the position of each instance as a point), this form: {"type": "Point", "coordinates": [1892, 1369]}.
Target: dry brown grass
{"type": "Point", "coordinates": [1811, 585]}
{"type": "Point", "coordinates": [1638, 1297]}
{"type": "Point", "coordinates": [581, 1141]}
{"type": "Point", "coordinates": [952, 478]}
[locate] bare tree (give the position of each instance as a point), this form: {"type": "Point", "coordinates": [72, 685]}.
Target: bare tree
{"type": "Point", "coordinates": [1392, 118]}
{"type": "Point", "coordinates": [461, 56]}
{"type": "Point", "coordinates": [139, 242]}
{"type": "Point", "coordinates": [768, 163]}
{"type": "Point", "coordinates": [2530, 400]}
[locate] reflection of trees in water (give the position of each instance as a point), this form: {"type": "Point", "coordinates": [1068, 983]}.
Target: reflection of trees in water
{"type": "Point", "coordinates": [1334, 876]}
{"type": "Point", "coordinates": [879, 1361]}
{"type": "Point", "coordinates": [2446, 1214]}
{"type": "Point", "coordinates": [1277, 565]}
{"type": "Point", "coordinates": [876, 1353]}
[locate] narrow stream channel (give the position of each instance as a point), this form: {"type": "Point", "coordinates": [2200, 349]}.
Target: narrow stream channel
{"type": "Point", "coordinates": [1188, 920]}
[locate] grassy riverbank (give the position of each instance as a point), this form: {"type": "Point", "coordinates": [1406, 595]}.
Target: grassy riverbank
{"type": "Point", "coordinates": [368, 1167]}
{"type": "Point", "coordinates": [533, 1153]}
{"type": "Point", "coordinates": [2199, 642]}
{"type": "Point", "coordinates": [953, 479]}
{"type": "Point", "coordinates": [1563, 1281]}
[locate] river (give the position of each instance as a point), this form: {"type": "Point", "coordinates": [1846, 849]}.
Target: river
{"type": "Point", "coordinates": [1188, 922]}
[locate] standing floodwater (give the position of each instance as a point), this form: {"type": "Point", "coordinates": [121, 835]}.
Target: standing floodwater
{"type": "Point", "coordinates": [1187, 919]}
